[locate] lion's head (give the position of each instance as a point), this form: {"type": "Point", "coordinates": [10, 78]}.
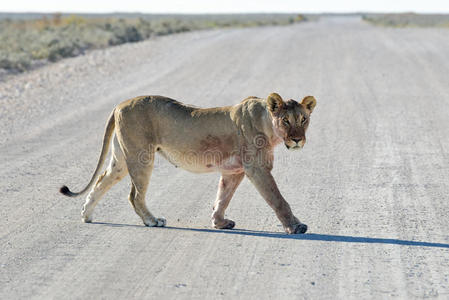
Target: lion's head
{"type": "Point", "coordinates": [291, 119]}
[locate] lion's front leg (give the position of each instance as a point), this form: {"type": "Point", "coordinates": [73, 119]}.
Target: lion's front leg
{"type": "Point", "coordinates": [264, 182]}
{"type": "Point", "coordinates": [226, 188]}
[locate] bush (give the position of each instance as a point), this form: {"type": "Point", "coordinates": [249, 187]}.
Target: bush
{"type": "Point", "coordinates": [407, 20]}
{"type": "Point", "coordinates": [15, 61]}
{"type": "Point", "coordinates": [56, 36]}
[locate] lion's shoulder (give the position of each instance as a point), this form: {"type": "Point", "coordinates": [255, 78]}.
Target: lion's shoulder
{"type": "Point", "coordinates": [250, 98]}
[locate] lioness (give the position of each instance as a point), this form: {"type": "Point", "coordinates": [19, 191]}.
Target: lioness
{"type": "Point", "coordinates": [233, 140]}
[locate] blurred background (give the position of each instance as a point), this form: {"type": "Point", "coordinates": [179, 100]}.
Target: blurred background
{"type": "Point", "coordinates": [33, 33]}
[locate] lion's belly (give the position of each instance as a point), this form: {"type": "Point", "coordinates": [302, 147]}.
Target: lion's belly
{"type": "Point", "coordinates": [203, 162]}
{"type": "Point", "coordinates": [231, 165]}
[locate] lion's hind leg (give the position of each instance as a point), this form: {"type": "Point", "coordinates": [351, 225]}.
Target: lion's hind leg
{"type": "Point", "coordinates": [113, 174]}
{"type": "Point", "coordinates": [140, 167]}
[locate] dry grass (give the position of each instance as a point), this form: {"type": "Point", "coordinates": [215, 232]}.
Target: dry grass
{"type": "Point", "coordinates": [23, 42]}
{"type": "Point", "coordinates": [408, 20]}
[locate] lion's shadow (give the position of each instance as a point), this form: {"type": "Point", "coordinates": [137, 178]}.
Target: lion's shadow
{"type": "Point", "coordinates": [303, 237]}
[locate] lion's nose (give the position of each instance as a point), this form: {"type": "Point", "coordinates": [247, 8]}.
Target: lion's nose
{"type": "Point", "coordinates": [297, 140]}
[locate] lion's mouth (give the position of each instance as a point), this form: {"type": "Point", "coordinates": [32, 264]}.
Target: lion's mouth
{"type": "Point", "coordinates": [296, 147]}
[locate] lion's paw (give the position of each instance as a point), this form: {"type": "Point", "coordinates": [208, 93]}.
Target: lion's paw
{"type": "Point", "coordinates": [85, 217]}
{"type": "Point", "coordinates": [297, 229]}
{"type": "Point", "coordinates": [158, 222]}
{"type": "Point", "coordinates": [161, 222]}
{"type": "Point", "coordinates": [86, 220]}
{"type": "Point", "coordinates": [225, 224]}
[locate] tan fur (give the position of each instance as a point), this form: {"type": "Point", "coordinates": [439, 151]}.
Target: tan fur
{"type": "Point", "coordinates": [234, 140]}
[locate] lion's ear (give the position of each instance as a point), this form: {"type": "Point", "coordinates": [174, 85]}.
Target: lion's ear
{"type": "Point", "coordinates": [309, 102]}
{"type": "Point", "coordinates": [274, 103]}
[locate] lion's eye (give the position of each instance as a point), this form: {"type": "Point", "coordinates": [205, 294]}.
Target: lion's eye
{"type": "Point", "coordinates": [304, 121]}
{"type": "Point", "coordinates": [285, 120]}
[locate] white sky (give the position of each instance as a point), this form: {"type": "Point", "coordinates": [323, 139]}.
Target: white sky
{"type": "Point", "coordinates": [224, 6]}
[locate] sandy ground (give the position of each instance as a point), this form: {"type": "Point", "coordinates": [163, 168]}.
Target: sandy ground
{"type": "Point", "coordinates": [371, 183]}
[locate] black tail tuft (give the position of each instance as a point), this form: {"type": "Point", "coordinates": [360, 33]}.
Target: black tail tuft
{"type": "Point", "coordinates": [65, 190]}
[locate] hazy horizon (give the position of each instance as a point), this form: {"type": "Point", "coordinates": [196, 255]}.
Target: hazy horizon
{"type": "Point", "coordinates": [226, 7]}
{"type": "Point", "coordinates": [215, 13]}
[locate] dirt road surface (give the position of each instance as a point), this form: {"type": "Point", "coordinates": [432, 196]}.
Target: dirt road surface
{"type": "Point", "coordinates": [372, 182]}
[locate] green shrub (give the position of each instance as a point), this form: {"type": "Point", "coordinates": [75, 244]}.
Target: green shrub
{"type": "Point", "coordinates": [15, 61]}
{"type": "Point", "coordinates": [56, 36]}
{"type": "Point", "coordinates": [407, 20]}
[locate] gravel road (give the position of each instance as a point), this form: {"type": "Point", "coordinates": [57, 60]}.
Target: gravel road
{"type": "Point", "coordinates": [371, 182]}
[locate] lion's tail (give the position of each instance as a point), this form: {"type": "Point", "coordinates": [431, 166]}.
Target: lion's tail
{"type": "Point", "coordinates": [104, 151]}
